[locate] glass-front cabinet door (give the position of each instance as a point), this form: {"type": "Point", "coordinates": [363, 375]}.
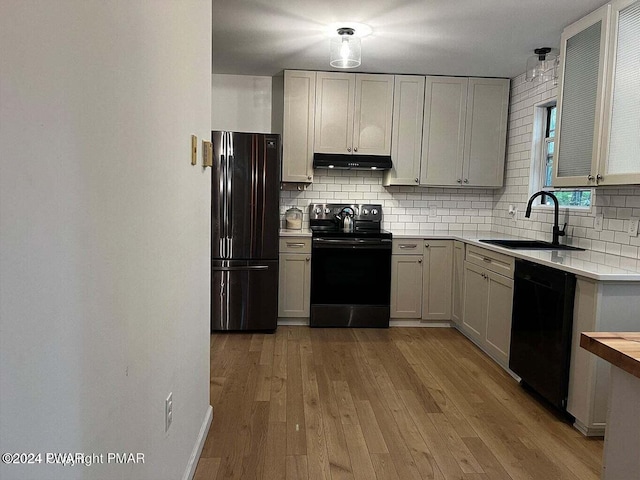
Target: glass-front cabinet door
{"type": "Point", "coordinates": [580, 103]}
{"type": "Point", "coordinates": [620, 158]}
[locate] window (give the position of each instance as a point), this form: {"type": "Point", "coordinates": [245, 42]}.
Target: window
{"type": "Point", "coordinates": [542, 162]}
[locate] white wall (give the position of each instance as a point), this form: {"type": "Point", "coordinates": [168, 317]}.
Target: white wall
{"type": "Point", "coordinates": [104, 224]}
{"type": "Point", "coordinates": [241, 103]}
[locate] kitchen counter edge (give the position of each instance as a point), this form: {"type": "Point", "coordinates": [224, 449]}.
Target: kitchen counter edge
{"type": "Point", "coordinates": [621, 349]}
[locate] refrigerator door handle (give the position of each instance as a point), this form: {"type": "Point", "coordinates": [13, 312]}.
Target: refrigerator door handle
{"type": "Point", "coordinates": [231, 269]}
{"type": "Point", "coordinates": [229, 194]}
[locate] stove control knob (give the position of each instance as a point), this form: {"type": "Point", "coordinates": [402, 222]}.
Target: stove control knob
{"type": "Point", "coordinates": [327, 211]}
{"type": "Point", "coordinates": [317, 211]}
{"type": "Point", "coordinates": [365, 211]}
{"type": "Point", "coordinates": [374, 211]}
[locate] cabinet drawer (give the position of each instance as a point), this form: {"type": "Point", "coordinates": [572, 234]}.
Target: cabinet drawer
{"type": "Point", "coordinates": [494, 261]}
{"type": "Point", "coordinates": [407, 246]}
{"type": "Point", "coordinates": [295, 245]}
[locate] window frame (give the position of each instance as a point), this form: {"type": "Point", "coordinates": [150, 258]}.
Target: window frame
{"type": "Point", "coordinates": [539, 140]}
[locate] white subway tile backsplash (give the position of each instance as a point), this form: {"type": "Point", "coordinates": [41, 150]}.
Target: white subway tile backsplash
{"type": "Point", "coordinates": [409, 208]}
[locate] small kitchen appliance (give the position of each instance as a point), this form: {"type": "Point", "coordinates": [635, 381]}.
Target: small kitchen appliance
{"type": "Point", "coordinates": [351, 267]}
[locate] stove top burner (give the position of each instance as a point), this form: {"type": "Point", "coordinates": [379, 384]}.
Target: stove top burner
{"type": "Point", "coordinates": [367, 220]}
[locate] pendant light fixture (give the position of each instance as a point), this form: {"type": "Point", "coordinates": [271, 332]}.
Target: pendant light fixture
{"type": "Point", "coordinates": [345, 49]}
{"type": "Point", "coordinates": [542, 66]}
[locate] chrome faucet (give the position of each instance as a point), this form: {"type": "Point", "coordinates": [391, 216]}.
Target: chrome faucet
{"type": "Point", "coordinates": [557, 233]}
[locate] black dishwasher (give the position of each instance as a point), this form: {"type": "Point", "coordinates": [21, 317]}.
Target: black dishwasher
{"type": "Point", "coordinates": [541, 329]}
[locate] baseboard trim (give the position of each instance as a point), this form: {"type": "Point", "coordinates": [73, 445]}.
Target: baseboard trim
{"type": "Point", "coordinates": [598, 430]}
{"type": "Point", "coordinates": [197, 448]}
{"type": "Point", "coordinates": [294, 321]}
{"type": "Point", "coordinates": [417, 323]}
{"type": "Point", "coordinates": [392, 323]}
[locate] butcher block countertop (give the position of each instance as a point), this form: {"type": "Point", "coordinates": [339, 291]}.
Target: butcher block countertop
{"type": "Point", "coordinates": [621, 349]}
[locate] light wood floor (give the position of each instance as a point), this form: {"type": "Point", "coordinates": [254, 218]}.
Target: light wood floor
{"type": "Point", "coordinates": [402, 403]}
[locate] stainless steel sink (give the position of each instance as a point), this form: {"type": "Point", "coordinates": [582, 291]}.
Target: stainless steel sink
{"type": "Point", "coordinates": [529, 245]}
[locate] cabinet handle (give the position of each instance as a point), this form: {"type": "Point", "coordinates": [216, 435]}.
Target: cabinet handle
{"type": "Point", "coordinates": [295, 245]}
{"type": "Point", "coordinates": [416, 179]}
{"type": "Point", "coordinates": [309, 177]}
{"type": "Point", "coordinates": [426, 245]}
{"type": "Point", "coordinates": [355, 149]}
{"type": "Point", "coordinates": [408, 245]}
{"type": "Point", "coordinates": [590, 178]}
{"type": "Point", "coordinates": [486, 259]}
{"type": "Point", "coordinates": [466, 180]}
{"type": "Point", "coordinates": [459, 181]}
{"type": "Point", "coordinates": [348, 149]}
{"type": "Point", "coordinates": [420, 261]}
{"type": "Point", "coordinates": [599, 177]}
{"type": "Point", "coordinates": [308, 259]}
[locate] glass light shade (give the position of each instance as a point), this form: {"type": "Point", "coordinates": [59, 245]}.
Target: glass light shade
{"type": "Point", "coordinates": [345, 51]}
{"type": "Point", "coordinates": [542, 67]}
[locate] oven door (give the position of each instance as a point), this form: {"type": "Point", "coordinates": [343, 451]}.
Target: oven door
{"type": "Point", "coordinates": [350, 282]}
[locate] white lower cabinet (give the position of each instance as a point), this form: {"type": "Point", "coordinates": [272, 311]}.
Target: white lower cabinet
{"type": "Point", "coordinates": [436, 279]}
{"type": "Point", "coordinates": [406, 286]}
{"type": "Point", "coordinates": [406, 278]}
{"type": "Point", "coordinates": [457, 282]}
{"type": "Point", "coordinates": [294, 286]}
{"type": "Point", "coordinates": [487, 301]}
{"type": "Point", "coordinates": [421, 279]}
{"type": "Point", "coordinates": [598, 307]}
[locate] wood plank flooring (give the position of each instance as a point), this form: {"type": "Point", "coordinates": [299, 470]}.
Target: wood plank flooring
{"type": "Point", "coordinates": [366, 404]}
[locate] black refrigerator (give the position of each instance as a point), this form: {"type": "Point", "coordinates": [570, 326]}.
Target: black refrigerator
{"type": "Point", "coordinates": [245, 186]}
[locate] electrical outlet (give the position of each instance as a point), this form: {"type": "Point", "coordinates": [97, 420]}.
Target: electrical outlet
{"type": "Point", "coordinates": [433, 211]}
{"type": "Point", "coordinates": [633, 227]}
{"type": "Point", "coordinates": [168, 411]}
{"type": "Point", "coordinates": [597, 224]}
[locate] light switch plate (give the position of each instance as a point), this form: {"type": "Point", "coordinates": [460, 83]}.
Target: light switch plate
{"type": "Point", "coordinates": [633, 227]}
{"type": "Point", "coordinates": [597, 224]}
{"type": "Point", "coordinates": [194, 150]}
{"type": "Point", "coordinates": [207, 154]}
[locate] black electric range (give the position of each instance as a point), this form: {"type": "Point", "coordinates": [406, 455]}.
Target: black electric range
{"type": "Point", "coordinates": [351, 266]}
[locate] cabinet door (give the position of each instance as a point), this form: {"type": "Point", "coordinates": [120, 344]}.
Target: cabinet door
{"type": "Point", "coordinates": [457, 285]}
{"type": "Point", "coordinates": [294, 285]}
{"type": "Point", "coordinates": [406, 286]}
{"type": "Point", "coordinates": [298, 126]}
{"type": "Point", "coordinates": [499, 306]}
{"type": "Point", "coordinates": [485, 132]}
{"type": "Point", "coordinates": [372, 115]}
{"type": "Point", "coordinates": [620, 159]}
{"type": "Point", "coordinates": [436, 296]}
{"type": "Point", "coordinates": [445, 101]}
{"type": "Point", "coordinates": [406, 133]}
{"type": "Point", "coordinates": [474, 316]}
{"type": "Point", "coordinates": [580, 100]}
{"type": "Point", "coordinates": [335, 94]}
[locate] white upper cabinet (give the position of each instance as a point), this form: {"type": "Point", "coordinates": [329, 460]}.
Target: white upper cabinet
{"type": "Point", "coordinates": [598, 126]}
{"type": "Point", "coordinates": [485, 132]}
{"type": "Point", "coordinates": [445, 103]}
{"type": "Point", "coordinates": [583, 48]}
{"type": "Point", "coordinates": [620, 158]}
{"type": "Point", "coordinates": [353, 113]}
{"type": "Point", "coordinates": [298, 126]}
{"type": "Point", "coordinates": [406, 132]}
{"type": "Point", "coordinates": [465, 128]}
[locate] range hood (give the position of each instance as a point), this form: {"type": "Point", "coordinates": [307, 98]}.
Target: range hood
{"type": "Point", "coordinates": [351, 162]}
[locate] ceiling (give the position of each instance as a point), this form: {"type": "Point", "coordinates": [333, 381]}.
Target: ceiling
{"type": "Point", "coordinates": [446, 37]}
